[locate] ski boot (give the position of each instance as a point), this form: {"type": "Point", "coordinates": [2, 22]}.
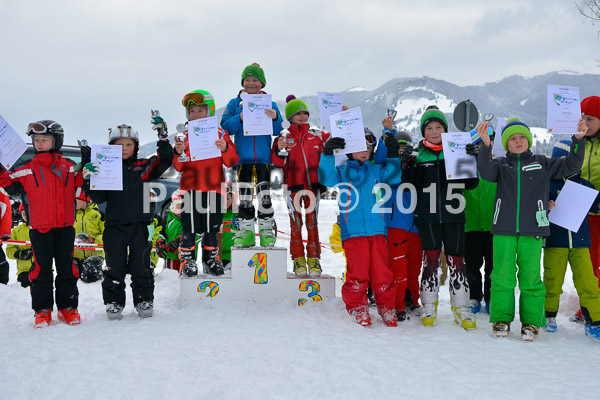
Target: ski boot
{"type": "Point", "coordinates": [474, 306]}
{"type": "Point", "coordinates": [529, 332]}
{"type": "Point", "coordinates": [244, 237]}
{"type": "Point", "coordinates": [388, 315]}
{"type": "Point", "coordinates": [402, 315]}
{"type": "Point", "coordinates": [300, 266]}
{"type": "Point", "coordinates": [265, 231]}
{"type": "Point", "coordinates": [593, 331]}
{"type": "Point", "coordinates": [429, 314]}
{"type": "Point", "coordinates": [415, 310]}
{"type": "Point", "coordinates": [69, 316]}
{"type": "Point", "coordinates": [187, 263]}
{"type": "Point", "coordinates": [314, 267]}
{"type": "Point", "coordinates": [361, 315]}
{"type": "Point", "coordinates": [211, 264]}
{"type": "Point", "coordinates": [145, 309]}
{"type": "Point", "coordinates": [551, 325]}
{"type": "Point", "coordinates": [464, 317]}
{"type": "Point", "coordinates": [42, 318]}
{"type": "Point", "coordinates": [577, 317]}
{"type": "Point", "coordinates": [114, 311]}
{"type": "Point", "coordinates": [501, 329]}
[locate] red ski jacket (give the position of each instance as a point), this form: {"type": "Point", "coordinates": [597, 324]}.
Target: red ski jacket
{"type": "Point", "coordinates": [206, 175]}
{"type": "Point", "coordinates": [49, 181]}
{"type": "Point", "coordinates": [5, 215]}
{"type": "Point", "coordinates": [301, 166]}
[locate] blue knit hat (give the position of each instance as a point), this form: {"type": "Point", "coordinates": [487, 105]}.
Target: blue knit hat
{"type": "Point", "coordinates": [561, 148]}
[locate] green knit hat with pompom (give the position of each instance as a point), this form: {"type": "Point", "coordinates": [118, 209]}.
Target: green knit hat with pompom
{"type": "Point", "coordinates": [432, 113]}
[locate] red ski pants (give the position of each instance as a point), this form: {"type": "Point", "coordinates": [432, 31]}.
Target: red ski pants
{"type": "Point", "coordinates": [595, 250]}
{"type": "Point", "coordinates": [309, 199]}
{"type": "Point", "coordinates": [406, 256]}
{"type": "Point", "coordinates": [368, 261]}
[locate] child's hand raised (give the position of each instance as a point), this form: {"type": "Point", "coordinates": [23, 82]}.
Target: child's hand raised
{"type": "Point", "coordinates": [482, 131]}
{"type": "Point", "coordinates": [271, 113]}
{"type": "Point", "coordinates": [581, 127]}
{"type": "Point", "coordinates": [179, 146]}
{"type": "Point", "coordinates": [221, 145]}
{"type": "Point", "coordinates": [388, 123]}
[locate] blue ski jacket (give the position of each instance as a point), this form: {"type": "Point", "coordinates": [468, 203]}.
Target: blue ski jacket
{"type": "Point", "coordinates": [251, 149]}
{"type": "Point", "coordinates": [361, 203]}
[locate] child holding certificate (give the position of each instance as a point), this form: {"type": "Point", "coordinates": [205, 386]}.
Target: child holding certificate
{"type": "Point", "coordinates": [520, 222]}
{"type": "Point", "coordinates": [202, 184]}
{"type": "Point", "coordinates": [49, 181]}
{"type": "Point", "coordinates": [440, 220]}
{"type": "Point", "coordinates": [125, 236]}
{"type": "Point", "coordinates": [300, 174]}
{"type": "Point", "coordinates": [254, 163]}
{"type": "Point", "coordinates": [565, 246]}
{"type": "Point", "coordinates": [363, 231]}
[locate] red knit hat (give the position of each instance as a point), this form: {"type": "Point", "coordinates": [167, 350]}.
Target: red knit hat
{"type": "Point", "coordinates": [591, 106]}
{"type": "Point", "coordinates": [80, 195]}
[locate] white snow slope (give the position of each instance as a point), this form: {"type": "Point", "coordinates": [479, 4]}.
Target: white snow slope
{"type": "Point", "coordinates": [277, 351]}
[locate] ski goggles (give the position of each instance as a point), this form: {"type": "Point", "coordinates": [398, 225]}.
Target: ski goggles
{"type": "Point", "coordinates": [193, 98]}
{"type": "Point", "coordinates": [124, 130]}
{"type": "Point", "coordinates": [36, 128]}
{"type": "Point", "coordinates": [370, 139]}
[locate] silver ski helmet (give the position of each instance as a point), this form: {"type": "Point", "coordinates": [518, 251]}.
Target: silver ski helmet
{"type": "Point", "coordinates": [47, 127]}
{"type": "Point", "coordinates": [123, 131]}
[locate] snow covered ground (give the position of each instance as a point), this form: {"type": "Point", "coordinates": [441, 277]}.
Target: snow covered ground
{"type": "Point", "coordinates": [277, 351]}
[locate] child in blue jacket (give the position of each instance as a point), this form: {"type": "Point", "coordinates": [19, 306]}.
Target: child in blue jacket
{"type": "Point", "coordinates": [255, 162]}
{"type": "Point", "coordinates": [363, 229]}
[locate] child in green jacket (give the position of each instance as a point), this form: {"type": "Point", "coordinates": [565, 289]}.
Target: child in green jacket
{"type": "Point", "coordinates": [21, 252]}
{"type": "Point", "coordinates": [520, 222]}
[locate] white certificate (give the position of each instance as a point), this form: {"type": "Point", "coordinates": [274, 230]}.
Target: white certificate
{"type": "Point", "coordinates": [459, 165]}
{"type": "Point", "coordinates": [329, 103]}
{"type": "Point", "coordinates": [564, 110]}
{"type": "Point", "coordinates": [11, 145]}
{"type": "Point", "coordinates": [349, 125]}
{"type": "Point", "coordinates": [256, 122]}
{"type": "Point", "coordinates": [109, 159]}
{"type": "Point", "coordinates": [564, 213]}
{"type": "Point", "coordinates": [497, 148]}
{"type": "Point", "coordinates": [202, 135]}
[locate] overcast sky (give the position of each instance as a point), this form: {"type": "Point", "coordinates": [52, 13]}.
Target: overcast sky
{"type": "Point", "coordinates": [95, 64]}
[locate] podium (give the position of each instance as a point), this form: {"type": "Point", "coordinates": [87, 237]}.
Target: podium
{"type": "Point", "coordinates": [257, 274]}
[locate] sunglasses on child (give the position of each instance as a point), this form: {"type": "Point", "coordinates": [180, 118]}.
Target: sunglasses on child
{"type": "Point", "coordinates": [193, 98]}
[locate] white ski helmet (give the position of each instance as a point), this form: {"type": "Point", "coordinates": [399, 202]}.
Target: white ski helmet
{"type": "Point", "coordinates": [123, 131]}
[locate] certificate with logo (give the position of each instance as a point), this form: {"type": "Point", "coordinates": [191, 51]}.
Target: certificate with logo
{"type": "Point", "coordinates": [256, 122]}
{"type": "Point", "coordinates": [109, 159]}
{"type": "Point", "coordinates": [202, 135]}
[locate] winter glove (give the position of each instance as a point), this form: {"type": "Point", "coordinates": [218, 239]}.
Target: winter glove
{"type": "Point", "coordinates": [406, 152]}
{"type": "Point", "coordinates": [472, 149]}
{"type": "Point", "coordinates": [333, 144]}
{"type": "Point", "coordinates": [392, 146]}
{"type": "Point", "coordinates": [174, 245]}
{"type": "Point", "coordinates": [160, 126]}
{"type": "Point", "coordinates": [23, 278]}
{"type": "Point", "coordinates": [24, 254]}
{"type": "Point", "coordinates": [90, 169]}
{"type": "Point", "coordinates": [161, 247]}
{"type": "Point", "coordinates": [83, 237]}
{"type": "Point", "coordinates": [86, 154]}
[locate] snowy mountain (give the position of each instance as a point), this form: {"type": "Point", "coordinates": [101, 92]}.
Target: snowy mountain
{"type": "Point", "coordinates": [515, 95]}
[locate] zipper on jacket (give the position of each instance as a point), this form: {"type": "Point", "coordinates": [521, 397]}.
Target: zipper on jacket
{"type": "Point", "coordinates": [497, 210]}
{"type": "Point", "coordinates": [305, 164]}
{"type": "Point", "coordinates": [439, 195]}
{"type": "Point", "coordinates": [590, 161]}
{"type": "Point", "coordinates": [518, 189]}
{"type": "Point", "coordinates": [254, 141]}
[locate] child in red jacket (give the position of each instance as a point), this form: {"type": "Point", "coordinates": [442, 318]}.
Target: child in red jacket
{"type": "Point", "coordinates": [202, 183]}
{"type": "Point", "coordinates": [301, 174]}
{"type": "Point", "coordinates": [49, 182]}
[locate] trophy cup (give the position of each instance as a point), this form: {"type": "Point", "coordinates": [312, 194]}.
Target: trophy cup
{"type": "Point", "coordinates": [180, 137]}
{"type": "Point", "coordinates": [161, 126]}
{"type": "Point", "coordinates": [283, 152]}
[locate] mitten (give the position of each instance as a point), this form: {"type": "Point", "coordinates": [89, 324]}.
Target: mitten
{"type": "Point", "coordinates": [23, 278]}
{"type": "Point", "coordinates": [333, 144]}
{"type": "Point", "coordinates": [90, 169]}
{"type": "Point", "coordinates": [392, 146]}
{"type": "Point", "coordinates": [472, 149]}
